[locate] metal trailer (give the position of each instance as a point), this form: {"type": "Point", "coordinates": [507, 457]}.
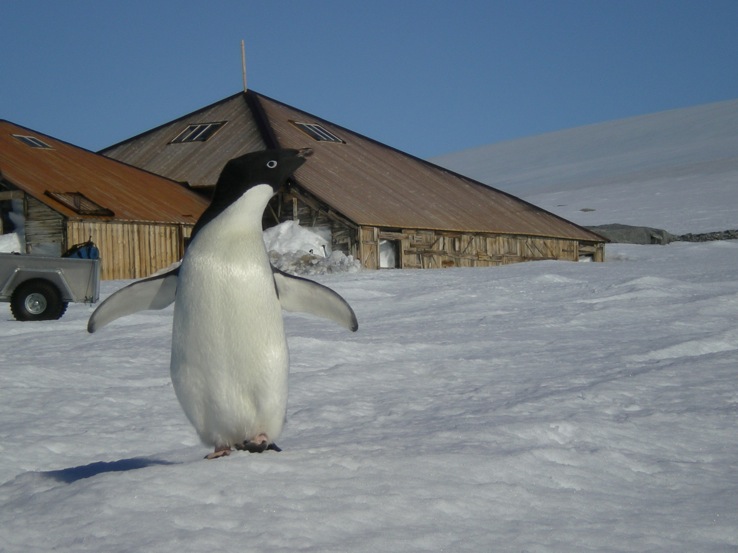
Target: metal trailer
{"type": "Point", "coordinates": [40, 287]}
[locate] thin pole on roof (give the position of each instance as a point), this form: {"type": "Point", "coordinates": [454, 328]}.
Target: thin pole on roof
{"type": "Point", "coordinates": [243, 65]}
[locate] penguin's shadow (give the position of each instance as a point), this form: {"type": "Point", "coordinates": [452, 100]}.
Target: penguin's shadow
{"type": "Point", "coordinates": [73, 474]}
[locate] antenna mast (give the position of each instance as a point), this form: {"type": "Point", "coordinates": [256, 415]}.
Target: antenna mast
{"type": "Point", "coordinates": [243, 65]}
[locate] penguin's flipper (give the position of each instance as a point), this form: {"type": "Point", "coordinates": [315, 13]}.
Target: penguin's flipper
{"type": "Point", "coordinates": [155, 292]}
{"type": "Point", "coordinates": [306, 296]}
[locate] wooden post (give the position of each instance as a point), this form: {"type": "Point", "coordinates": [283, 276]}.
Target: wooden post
{"type": "Point", "coordinates": [243, 65]}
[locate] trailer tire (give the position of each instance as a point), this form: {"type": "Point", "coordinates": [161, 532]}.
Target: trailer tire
{"type": "Point", "coordinates": [37, 300]}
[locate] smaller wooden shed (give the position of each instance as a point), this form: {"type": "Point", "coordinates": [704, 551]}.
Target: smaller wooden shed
{"type": "Point", "coordinates": [65, 195]}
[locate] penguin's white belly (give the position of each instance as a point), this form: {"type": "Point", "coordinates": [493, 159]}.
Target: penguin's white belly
{"type": "Point", "coordinates": [229, 361]}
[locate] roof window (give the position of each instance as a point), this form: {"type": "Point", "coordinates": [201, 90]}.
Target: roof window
{"type": "Point", "coordinates": [317, 132]}
{"type": "Point", "coordinates": [80, 204]}
{"type": "Point", "coordinates": [33, 142]}
{"type": "Point", "coordinates": [198, 132]}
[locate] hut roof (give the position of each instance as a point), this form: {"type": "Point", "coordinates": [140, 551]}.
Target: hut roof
{"type": "Point", "coordinates": [366, 182]}
{"type": "Point", "coordinates": [81, 184]}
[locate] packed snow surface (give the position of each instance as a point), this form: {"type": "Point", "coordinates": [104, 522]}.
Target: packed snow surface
{"type": "Point", "coordinates": [538, 407]}
{"type": "Point", "coordinates": [547, 406]}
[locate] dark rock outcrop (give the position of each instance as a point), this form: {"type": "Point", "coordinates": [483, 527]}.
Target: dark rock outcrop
{"type": "Point", "coordinates": [629, 234]}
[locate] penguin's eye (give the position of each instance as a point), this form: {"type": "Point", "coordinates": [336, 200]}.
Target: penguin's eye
{"type": "Point", "coordinates": [271, 164]}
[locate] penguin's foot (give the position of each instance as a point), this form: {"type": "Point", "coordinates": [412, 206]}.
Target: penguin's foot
{"type": "Point", "coordinates": [219, 452]}
{"type": "Point", "coordinates": [259, 444]}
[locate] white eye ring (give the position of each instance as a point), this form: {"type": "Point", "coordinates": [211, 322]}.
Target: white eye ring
{"type": "Point", "coordinates": [271, 164]}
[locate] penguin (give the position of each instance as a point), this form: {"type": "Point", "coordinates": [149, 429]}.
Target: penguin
{"type": "Point", "coordinates": [229, 360]}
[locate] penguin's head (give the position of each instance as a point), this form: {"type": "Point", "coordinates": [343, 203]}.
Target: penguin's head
{"type": "Point", "coordinates": [272, 167]}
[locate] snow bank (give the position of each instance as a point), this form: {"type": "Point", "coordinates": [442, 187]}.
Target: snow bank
{"type": "Point", "coordinates": [10, 243]}
{"type": "Point", "coordinates": [290, 237]}
{"type": "Point", "coordinates": [302, 263]}
{"type": "Point", "coordinates": [300, 251]}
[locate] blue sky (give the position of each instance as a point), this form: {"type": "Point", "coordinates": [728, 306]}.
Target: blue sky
{"type": "Point", "coordinates": [428, 77]}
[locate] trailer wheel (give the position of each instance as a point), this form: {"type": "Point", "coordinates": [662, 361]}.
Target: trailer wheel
{"type": "Point", "coordinates": [37, 300]}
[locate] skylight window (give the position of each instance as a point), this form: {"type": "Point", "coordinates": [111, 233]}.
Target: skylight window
{"type": "Point", "coordinates": [80, 203]}
{"type": "Point", "coordinates": [199, 132]}
{"type": "Point", "coordinates": [33, 142]}
{"type": "Point", "coordinates": [317, 132]}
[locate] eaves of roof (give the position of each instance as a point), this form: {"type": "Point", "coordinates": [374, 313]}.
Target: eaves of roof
{"type": "Point", "coordinates": [130, 193]}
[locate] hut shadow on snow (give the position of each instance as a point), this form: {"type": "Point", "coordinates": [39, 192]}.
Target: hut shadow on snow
{"type": "Point", "coordinates": [72, 474]}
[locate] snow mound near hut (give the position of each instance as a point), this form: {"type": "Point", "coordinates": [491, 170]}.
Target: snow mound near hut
{"type": "Point", "coordinates": [10, 243]}
{"type": "Point", "coordinates": [301, 251]}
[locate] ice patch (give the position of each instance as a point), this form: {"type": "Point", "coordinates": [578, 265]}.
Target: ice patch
{"type": "Point", "coordinates": [650, 288]}
{"type": "Point", "coordinates": [549, 278]}
{"type": "Point", "coordinates": [727, 341]}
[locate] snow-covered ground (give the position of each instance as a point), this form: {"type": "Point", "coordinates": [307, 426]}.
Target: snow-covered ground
{"type": "Point", "coordinates": [538, 407]}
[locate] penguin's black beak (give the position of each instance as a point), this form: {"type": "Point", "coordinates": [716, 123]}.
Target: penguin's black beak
{"type": "Point", "coordinates": [305, 152]}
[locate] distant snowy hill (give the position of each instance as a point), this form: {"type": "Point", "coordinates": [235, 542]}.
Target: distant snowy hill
{"type": "Point", "coordinates": [621, 171]}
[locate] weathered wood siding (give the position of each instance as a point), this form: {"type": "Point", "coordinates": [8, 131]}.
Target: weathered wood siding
{"type": "Point", "coordinates": [131, 250]}
{"type": "Point", "coordinates": [427, 249]}
{"type": "Point", "coordinates": [369, 247]}
{"type": "Point", "coordinates": [127, 249]}
{"type": "Point", "coordinates": [44, 228]}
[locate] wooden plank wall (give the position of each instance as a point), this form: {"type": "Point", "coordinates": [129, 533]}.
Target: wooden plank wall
{"type": "Point", "coordinates": [44, 228]}
{"type": "Point", "coordinates": [428, 249]}
{"type": "Point", "coordinates": [369, 247]}
{"type": "Point", "coordinates": [131, 250]}
{"type": "Point", "coordinates": [425, 249]}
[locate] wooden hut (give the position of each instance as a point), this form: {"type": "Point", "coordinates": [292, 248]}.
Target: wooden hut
{"type": "Point", "coordinates": [66, 195]}
{"type": "Point", "coordinates": [383, 206]}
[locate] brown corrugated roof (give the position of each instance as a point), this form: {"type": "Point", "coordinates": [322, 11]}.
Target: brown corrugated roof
{"type": "Point", "coordinates": [67, 170]}
{"type": "Point", "coordinates": [375, 185]}
{"type": "Point", "coordinates": [363, 180]}
{"type": "Point", "coordinates": [196, 163]}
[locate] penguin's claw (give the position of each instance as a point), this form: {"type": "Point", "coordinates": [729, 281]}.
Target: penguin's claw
{"type": "Point", "coordinates": [219, 452]}
{"type": "Point", "coordinates": [248, 445]}
{"type": "Point", "coordinates": [256, 447]}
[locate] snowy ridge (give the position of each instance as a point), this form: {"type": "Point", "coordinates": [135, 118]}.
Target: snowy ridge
{"type": "Point", "coordinates": [632, 171]}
